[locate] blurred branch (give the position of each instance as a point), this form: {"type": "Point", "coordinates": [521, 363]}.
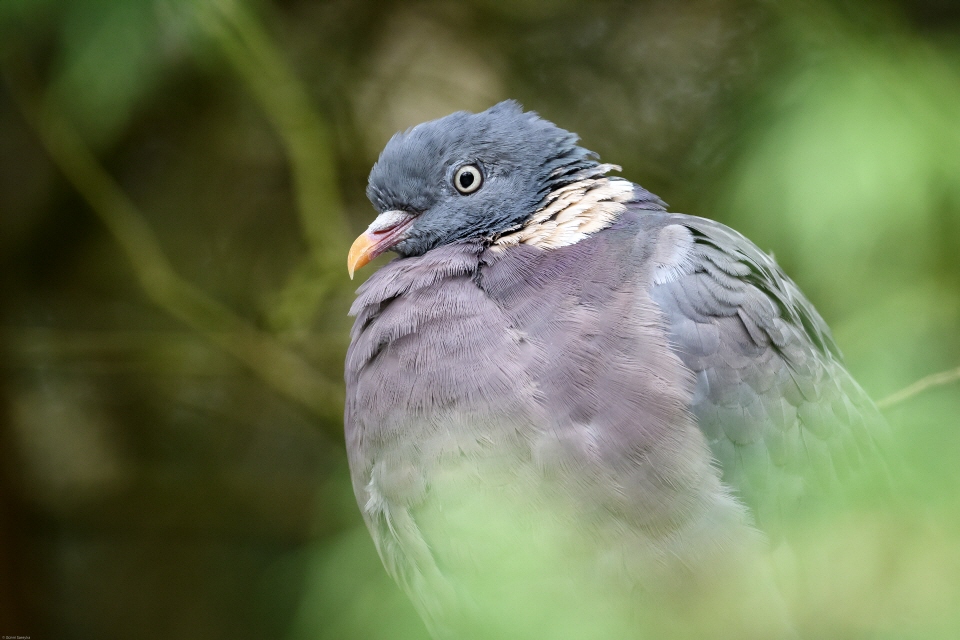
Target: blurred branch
{"type": "Point", "coordinates": [276, 365]}
{"type": "Point", "coordinates": [921, 385]}
{"type": "Point", "coordinates": [305, 136]}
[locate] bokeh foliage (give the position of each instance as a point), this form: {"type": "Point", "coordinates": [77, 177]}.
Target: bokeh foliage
{"type": "Point", "coordinates": [179, 180]}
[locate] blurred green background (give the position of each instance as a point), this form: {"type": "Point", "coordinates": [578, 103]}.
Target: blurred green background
{"type": "Point", "coordinates": [179, 182]}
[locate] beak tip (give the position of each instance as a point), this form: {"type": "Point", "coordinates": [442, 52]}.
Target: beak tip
{"type": "Point", "coordinates": [359, 254]}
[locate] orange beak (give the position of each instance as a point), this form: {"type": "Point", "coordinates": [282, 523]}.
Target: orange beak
{"type": "Point", "coordinates": [382, 235]}
{"type": "Point", "coordinates": [361, 252]}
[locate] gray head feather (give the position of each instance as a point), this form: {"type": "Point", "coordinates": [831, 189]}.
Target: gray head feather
{"type": "Point", "coordinates": [522, 158]}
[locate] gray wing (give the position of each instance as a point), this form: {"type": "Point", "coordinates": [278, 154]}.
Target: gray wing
{"type": "Point", "coordinates": [781, 414]}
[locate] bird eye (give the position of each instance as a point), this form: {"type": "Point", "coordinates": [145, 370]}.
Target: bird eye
{"type": "Point", "coordinates": [468, 179]}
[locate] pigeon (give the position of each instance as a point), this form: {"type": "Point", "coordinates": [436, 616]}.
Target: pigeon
{"type": "Point", "coordinates": [571, 413]}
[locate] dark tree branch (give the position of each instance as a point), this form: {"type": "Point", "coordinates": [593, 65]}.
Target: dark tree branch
{"type": "Point", "coordinates": [279, 367]}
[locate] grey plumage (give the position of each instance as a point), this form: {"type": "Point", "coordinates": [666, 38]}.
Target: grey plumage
{"type": "Point", "coordinates": [781, 414]}
{"type": "Point", "coordinates": [523, 157]}
{"type": "Point", "coordinates": [637, 405]}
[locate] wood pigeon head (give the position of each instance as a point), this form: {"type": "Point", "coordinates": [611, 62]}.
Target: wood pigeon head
{"type": "Point", "coordinates": [465, 176]}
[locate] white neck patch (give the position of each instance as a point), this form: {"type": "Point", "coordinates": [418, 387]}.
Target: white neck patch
{"type": "Point", "coordinates": [572, 213]}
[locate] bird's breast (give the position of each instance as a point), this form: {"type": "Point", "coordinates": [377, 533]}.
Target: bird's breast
{"type": "Point", "coordinates": [551, 359]}
{"type": "Point", "coordinates": [526, 403]}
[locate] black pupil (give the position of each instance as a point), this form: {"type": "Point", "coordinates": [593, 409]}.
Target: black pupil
{"type": "Point", "coordinates": [466, 179]}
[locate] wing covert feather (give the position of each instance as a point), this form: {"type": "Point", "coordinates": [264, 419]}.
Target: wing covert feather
{"type": "Point", "coordinates": [783, 417]}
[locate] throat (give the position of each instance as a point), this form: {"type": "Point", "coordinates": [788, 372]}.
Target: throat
{"type": "Point", "coordinates": [571, 213]}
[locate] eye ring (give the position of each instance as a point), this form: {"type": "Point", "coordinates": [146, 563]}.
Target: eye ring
{"type": "Point", "coordinates": [468, 179]}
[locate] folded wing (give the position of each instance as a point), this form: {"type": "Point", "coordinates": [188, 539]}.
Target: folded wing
{"type": "Point", "coordinates": [782, 416]}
